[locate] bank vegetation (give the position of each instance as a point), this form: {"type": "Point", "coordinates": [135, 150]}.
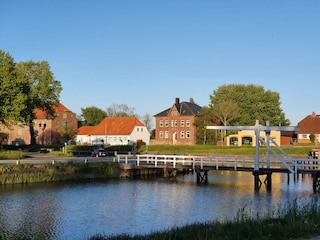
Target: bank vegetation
{"type": "Point", "coordinates": [58, 172]}
{"type": "Point", "coordinates": [294, 221]}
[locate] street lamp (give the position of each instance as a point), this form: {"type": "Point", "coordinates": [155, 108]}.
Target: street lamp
{"type": "Point", "coordinates": [42, 127]}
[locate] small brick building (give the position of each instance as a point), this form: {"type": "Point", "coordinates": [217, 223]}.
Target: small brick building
{"type": "Point", "coordinates": [175, 124]}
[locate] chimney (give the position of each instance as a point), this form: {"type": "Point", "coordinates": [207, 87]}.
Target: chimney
{"type": "Point", "coordinates": [177, 101]}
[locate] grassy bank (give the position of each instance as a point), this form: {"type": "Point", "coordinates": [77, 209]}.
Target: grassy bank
{"type": "Point", "coordinates": [292, 222]}
{"type": "Point", "coordinates": [29, 173]}
{"type": "Point", "coordinates": [213, 150]}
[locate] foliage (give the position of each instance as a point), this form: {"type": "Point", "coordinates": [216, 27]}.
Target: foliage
{"type": "Point", "coordinates": [253, 103]}
{"type": "Point", "coordinates": [11, 155]}
{"type": "Point", "coordinates": [44, 91]}
{"type": "Point", "coordinates": [13, 91]}
{"type": "Point", "coordinates": [204, 119]}
{"type": "Point", "coordinates": [3, 138]}
{"type": "Point", "coordinates": [119, 110]}
{"type": "Point", "coordinates": [29, 173]}
{"type": "Point", "coordinates": [92, 115]}
{"type": "Point", "coordinates": [312, 137]}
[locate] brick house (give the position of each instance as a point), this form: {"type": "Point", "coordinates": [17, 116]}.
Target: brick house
{"type": "Point", "coordinates": [49, 131]}
{"type": "Point", "coordinates": [175, 124]}
{"type": "Point", "coordinates": [309, 125]}
{"type": "Point", "coordinates": [114, 131]}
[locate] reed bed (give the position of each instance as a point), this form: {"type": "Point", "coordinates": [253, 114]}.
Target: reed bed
{"type": "Point", "coordinates": [292, 221]}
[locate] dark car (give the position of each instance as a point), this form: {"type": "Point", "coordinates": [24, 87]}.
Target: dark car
{"type": "Point", "coordinates": [99, 153]}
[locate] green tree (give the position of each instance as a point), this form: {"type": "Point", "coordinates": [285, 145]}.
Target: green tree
{"type": "Point", "coordinates": [3, 138]}
{"type": "Point", "coordinates": [225, 110]}
{"type": "Point", "coordinates": [92, 115]}
{"type": "Point", "coordinates": [43, 91]}
{"type": "Point", "coordinates": [13, 91]}
{"type": "Point", "coordinates": [204, 119]}
{"type": "Point", "coordinates": [254, 103]}
{"type": "Point", "coordinates": [312, 137]}
{"type": "Point", "coordinates": [68, 133]}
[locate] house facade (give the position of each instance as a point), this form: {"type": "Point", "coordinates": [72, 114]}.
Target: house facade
{"type": "Point", "coordinates": [308, 126]}
{"type": "Point", "coordinates": [48, 131]}
{"type": "Point", "coordinates": [175, 124]}
{"type": "Point", "coordinates": [248, 137]}
{"type": "Point", "coordinates": [114, 131]}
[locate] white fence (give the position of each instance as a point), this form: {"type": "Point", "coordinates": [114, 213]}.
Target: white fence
{"type": "Point", "coordinates": [218, 162]}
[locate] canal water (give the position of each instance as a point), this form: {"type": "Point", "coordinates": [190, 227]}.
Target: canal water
{"type": "Point", "coordinates": [84, 209]}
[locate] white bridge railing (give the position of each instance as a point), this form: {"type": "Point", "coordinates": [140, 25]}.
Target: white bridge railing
{"type": "Point", "coordinates": [217, 162]}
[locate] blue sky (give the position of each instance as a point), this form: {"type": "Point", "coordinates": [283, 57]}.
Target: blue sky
{"type": "Point", "coordinates": [146, 53]}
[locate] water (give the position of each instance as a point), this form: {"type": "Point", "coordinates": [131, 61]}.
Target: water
{"type": "Point", "coordinates": [81, 210]}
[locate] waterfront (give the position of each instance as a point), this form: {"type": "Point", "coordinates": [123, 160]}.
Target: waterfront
{"type": "Point", "coordinates": [81, 210]}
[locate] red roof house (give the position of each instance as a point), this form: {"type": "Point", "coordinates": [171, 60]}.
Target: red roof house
{"type": "Point", "coordinates": [309, 125]}
{"type": "Point", "coordinates": [114, 131]}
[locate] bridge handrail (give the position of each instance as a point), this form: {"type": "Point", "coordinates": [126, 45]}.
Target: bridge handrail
{"type": "Point", "coordinates": [217, 162]}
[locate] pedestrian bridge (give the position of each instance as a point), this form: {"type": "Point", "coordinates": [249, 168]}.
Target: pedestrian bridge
{"type": "Point", "coordinates": [202, 164]}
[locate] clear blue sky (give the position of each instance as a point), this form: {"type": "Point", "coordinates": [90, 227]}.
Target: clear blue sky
{"type": "Point", "coordinates": [146, 53]}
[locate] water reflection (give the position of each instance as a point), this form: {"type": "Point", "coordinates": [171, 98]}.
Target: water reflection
{"type": "Point", "coordinates": [81, 210]}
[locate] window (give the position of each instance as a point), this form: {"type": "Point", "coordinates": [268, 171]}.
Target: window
{"type": "Point", "coordinates": [161, 134]}
{"type": "Point", "coordinates": [188, 123]}
{"type": "Point", "coordinates": [166, 134]}
{"type": "Point", "coordinates": [161, 123]}
{"type": "Point", "coordinates": [64, 116]}
{"type": "Point", "coordinates": [188, 134]}
{"type": "Point", "coordinates": [304, 136]}
{"type": "Point", "coordinates": [167, 123]}
{"type": "Point", "coordinates": [175, 123]}
{"type": "Point", "coordinates": [182, 134]}
{"type": "Point", "coordinates": [182, 123]}
{"type": "Point", "coordinates": [172, 123]}
{"type": "Point", "coordinates": [138, 129]}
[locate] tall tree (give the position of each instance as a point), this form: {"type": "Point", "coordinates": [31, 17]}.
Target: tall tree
{"type": "Point", "coordinates": [119, 110]}
{"type": "Point", "coordinates": [13, 91]}
{"type": "Point", "coordinates": [44, 91]}
{"type": "Point", "coordinates": [203, 120]}
{"type": "Point", "coordinates": [147, 120]}
{"type": "Point", "coordinates": [225, 110]}
{"type": "Point", "coordinates": [254, 103]}
{"type": "Point", "coordinates": [92, 115]}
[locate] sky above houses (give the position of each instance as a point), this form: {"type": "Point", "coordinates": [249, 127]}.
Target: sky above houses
{"type": "Point", "coordinates": [146, 53]}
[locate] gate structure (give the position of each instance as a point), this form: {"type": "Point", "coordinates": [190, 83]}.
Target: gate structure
{"type": "Point", "coordinates": [257, 128]}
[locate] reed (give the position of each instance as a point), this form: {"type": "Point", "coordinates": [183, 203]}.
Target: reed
{"type": "Point", "coordinates": [287, 222]}
{"type": "Point", "coordinates": [28, 173]}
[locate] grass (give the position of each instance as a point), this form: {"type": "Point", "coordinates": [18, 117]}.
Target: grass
{"type": "Point", "coordinates": [11, 155]}
{"type": "Point", "coordinates": [29, 173]}
{"type": "Point", "coordinates": [289, 222]}
{"type": "Point", "coordinates": [212, 150]}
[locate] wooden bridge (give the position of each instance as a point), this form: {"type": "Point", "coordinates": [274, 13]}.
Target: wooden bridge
{"type": "Point", "coordinates": [202, 164]}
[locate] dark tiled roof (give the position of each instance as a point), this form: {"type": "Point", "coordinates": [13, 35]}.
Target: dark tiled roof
{"type": "Point", "coordinates": [184, 109]}
{"type": "Point", "coordinates": [310, 124]}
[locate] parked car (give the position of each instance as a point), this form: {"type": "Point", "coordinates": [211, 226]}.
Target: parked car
{"type": "Point", "coordinates": [100, 152]}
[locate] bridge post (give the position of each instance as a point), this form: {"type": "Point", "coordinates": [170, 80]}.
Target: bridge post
{"type": "Point", "coordinates": [258, 183]}
{"type": "Point", "coordinates": [316, 182]}
{"type": "Point", "coordinates": [202, 175]}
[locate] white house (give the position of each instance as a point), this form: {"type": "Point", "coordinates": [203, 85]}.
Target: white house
{"type": "Point", "coordinates": [114, 131]}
